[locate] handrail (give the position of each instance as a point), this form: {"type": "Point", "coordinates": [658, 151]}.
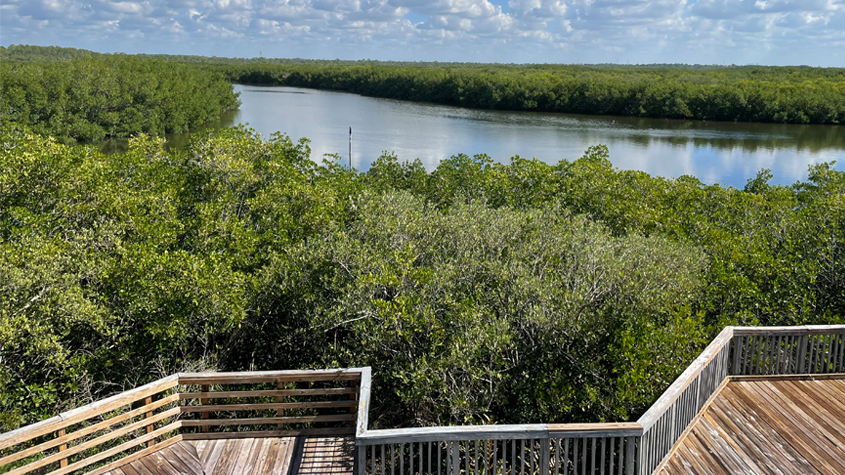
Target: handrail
{"type": "Point", "coordinates": [133, 420]}
{"type": "Point", "coordinates": [87, 411]}
{"type": "Point", "coordinates": [686, 378]}
{"type": "Point", "coordinates": [632, 448]}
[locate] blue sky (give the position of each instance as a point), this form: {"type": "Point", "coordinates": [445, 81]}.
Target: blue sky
{"type": "Point", "coordinates": [774, 32]}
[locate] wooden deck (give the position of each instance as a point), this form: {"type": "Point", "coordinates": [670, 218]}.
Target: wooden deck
{"type": "Point", "coordinates": [777, 425]}
{"type": "Point", "coordinates": [247, 456]}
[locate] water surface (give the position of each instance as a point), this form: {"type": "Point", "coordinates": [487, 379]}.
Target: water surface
{"type": "Point", "coordinates": [713, 152]}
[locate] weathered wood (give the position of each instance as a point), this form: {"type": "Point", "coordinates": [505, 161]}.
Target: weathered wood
{"type": "Point", "coordinates": [203, 403]}
{"type": "Point", "coordinates": [792, 424]}
{"type": "Point", "coordinates": [793, 330]}
{"type": "Point", "coordinates": [269, 406]}
{"type": "Point", "coordinates": [686, 378]}
{"type": "Point", "coordinates": [264, 393]}
{"type": "Point", "coordinates": [617, 429]}
{"type": "Point", "coordinates": [135, 456]}
{"type": "Point", "coordinates": [254, 377]}
{"type": "Point", "coordinates": [95, 442]}
{"type": "Point", "coordinates": [86, 430]}
{"type": "Point", "coordinates": [267, 420]}
{"type": "Point", "coordinates": [116, 450]}
{"type": "Point", "coordinates": [363, 401]}
{"type": "Point", "coordinates": [453, 433]}
{"type": "Point", "coordinates": [328, 431]}
{"type": "Point", "coordinates": [7, 439]}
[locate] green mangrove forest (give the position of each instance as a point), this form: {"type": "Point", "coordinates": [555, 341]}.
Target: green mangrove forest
{"type": "Point", "coordinates": [90, 98]}
{"type": "Point", "coordinates": [479, 292]}
{"type": "Point", "coordinates": [749, 94]}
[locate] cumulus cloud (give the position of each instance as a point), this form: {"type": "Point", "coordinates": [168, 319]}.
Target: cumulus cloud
{"type": "Point", "coordinates": [734, 31]}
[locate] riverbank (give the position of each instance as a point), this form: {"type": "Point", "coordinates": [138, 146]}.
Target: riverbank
{"type": "Point", "coordinates": [792, 95]}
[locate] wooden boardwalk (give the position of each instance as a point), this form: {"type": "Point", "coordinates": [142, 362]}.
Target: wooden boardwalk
{"type": "Point", "coordinates": [248, 456]}
{"type": "Point", "coordinates": [767, 425]}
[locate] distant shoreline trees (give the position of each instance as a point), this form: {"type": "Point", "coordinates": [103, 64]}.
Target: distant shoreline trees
{"type": "Point", "coordinates": [793, 95]}
{"type": "Point", "coordinates": [94, 97]}
{"type": "Point", "coordinates": [746, 94]}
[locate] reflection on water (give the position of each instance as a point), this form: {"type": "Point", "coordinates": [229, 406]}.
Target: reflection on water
{"type": "Point", "coordinates": [714, 152]}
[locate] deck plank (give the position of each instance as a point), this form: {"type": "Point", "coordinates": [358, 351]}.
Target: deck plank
{"type": "Point", "coordinates": [248, 456]}
{"type": "Point", "coordinates": [772, 426]}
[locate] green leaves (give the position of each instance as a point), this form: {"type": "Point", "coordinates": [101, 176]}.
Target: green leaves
{"type": "Point", "coordinates": [479, 292]}
{"type": "Point", "coordinates": [91, 98]}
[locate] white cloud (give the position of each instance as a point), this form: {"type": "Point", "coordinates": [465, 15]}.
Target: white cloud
{"type": "Point", "coordinates": [715, 31]}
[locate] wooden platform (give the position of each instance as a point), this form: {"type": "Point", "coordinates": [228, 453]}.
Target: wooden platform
{"type": "Point", "coordinates": [777, 425]}
{"type": "Point", "coordinates": [265, 456]}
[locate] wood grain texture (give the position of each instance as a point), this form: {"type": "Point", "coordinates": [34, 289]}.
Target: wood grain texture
{"type": "Point", "coordinates": [256, 456]}
{"type": "Point", "coordinates": [767, 426]}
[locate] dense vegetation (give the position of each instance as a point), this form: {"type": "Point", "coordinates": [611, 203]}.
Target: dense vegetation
{"type": "Point", "coordinates": [796, 95]}
{"type": "Point", "coordinates": [94, 97]}
{"type": "Point", "coordinates": [478, 292]}
{"type": "Point", "coordinates": [784, 95]}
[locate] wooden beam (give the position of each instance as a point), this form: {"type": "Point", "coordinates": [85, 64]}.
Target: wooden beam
{"type": "Point", "coordinates": [339, 432]}
{"type": "Point", "coordinates": [268, 420]}
{"type": "Point", "coordinates": [87, 411]}
{"type": "Point", "coordinates": [363, 401]}
{"type": "Point", "coordinates": [280, 407]}
{"type": "Point", "coordinates": [253, 377]}
{"type": "Point", "coordinates": [264, 393]}
{"type": "Point", "coordinates": [86, 430]}
{"type": "Point", "coordinates": [453, 433]}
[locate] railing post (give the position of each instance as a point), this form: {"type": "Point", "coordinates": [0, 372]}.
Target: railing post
{"type": "Point", "coordinates": [280, 399]}
{"type": "Point", "coordinates": [456, 458]}
{"type": "Point", "coordinates": [361, 460]}
{"type": "Point", "coordinates": [738, 345]}
{"type": "Point", "coordinates": [62, 448]}
{"type": "Point", "coordinates": [545, 455]}
{"type": "Point", "coordinates": [629, 456]}
{"type": "Point", "coordinates": [147, 401]}
{"type": "Point", "coordinates": [802, 354]}
{"type": "Point", "coordinates": [204, 402]}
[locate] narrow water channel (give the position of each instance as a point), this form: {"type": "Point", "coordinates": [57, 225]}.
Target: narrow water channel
{"type": "Point", "coordinates": [713, 152]}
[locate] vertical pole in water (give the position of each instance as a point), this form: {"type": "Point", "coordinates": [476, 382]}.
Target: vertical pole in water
{"type": "Point", "coordinates": [350, 148]}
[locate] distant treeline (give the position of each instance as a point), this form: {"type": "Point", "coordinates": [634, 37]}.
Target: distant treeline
{"type": "Point", "coordinates": [92, 97]}
{"type": "Point", "coordinates": [783, 95]}
{"type": "Point", "coordinates": [29, 53]}
{"type": "Point", "coordinates": [795, 95]}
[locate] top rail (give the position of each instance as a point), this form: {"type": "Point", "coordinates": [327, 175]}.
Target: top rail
{"type": "Point", "coordinates": [785, 331]}
{"type": "Point", "coordinates": [87, 411]}
{"type": "Point", "coordinates": [363, 402]}
{"type": "Point", "coordinates": [183, 404]}
{"type": "Point", "coordinates": [676, 389]}
{"type": "Point", "coordinates": [254, 377]}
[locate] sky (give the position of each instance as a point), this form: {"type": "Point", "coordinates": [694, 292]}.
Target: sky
{"type": "Point", "coordinates": [769, 32]}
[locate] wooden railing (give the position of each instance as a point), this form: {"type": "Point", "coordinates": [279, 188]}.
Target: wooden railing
{"type": "Point", "coordinates": [100, 434]}
{"type": "Point", "coordinates": [737, 351]}
{"type": "Point", "coordinates": [816, 349]}
{"type": "Point", "coordinates": [95, 438]}
{"type": "Point", "coordinates": [581, 449]}
{"type": "Point", "coordinates": [672, 413]}
{"type": "Point", "coordinates": [507, 449]}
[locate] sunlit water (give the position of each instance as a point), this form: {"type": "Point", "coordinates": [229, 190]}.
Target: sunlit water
{"type": "Point", "coordinates": [713, 152]}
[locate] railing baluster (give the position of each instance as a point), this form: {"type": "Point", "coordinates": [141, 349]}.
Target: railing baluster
{"type": "Point", "coordinates": [204, 402]}
{"type": "Point", "coordinates": [62, 448]}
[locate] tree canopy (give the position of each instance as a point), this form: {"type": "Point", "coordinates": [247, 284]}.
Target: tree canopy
{"type": "Point", "coordinates": [110, 96]}
{"type": "Point", "coordinates": [479, 292]}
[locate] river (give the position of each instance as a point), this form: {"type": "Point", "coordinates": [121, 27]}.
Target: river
{"type": "Point", "coordinates": [714, 152]}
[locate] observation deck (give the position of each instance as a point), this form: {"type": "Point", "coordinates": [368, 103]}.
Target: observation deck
{"type": "Point", "coordinates": [757, 400]}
